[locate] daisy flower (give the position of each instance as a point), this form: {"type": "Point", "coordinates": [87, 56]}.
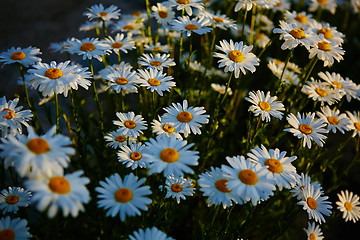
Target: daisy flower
{"type": "Point", "coordinates": [320, 91]}
{"type": "Point", "coordinates": [88, 26]}
{"type": "Point", "coordinates": [196, 25]}
{"type": "Point", "coordinates": [15, 228]}
{"type": "Point", "coordinates": [120, 43]}
{"type": "Point", "coordinates": [213, 184]}
{"type": "Point", "coordinates": [128, 25]}
{"type": "Point", "coordinates": [11, 117]}
{"type": "Point", "coordinates": [221, 89]}
{"type": "Point", "coordinates": [155, 80]}
{"type": "Point", "coordinates": [247, 4]}
{"type": "Point", "coordinates": [163, 15]}
{"type": "Point", "coordinates": [58, 78]}
{"type": "Point", "coordinates": [236, 57]}
{"type": "Point", "coordinates": [350, 206]}
{"type": "Point", "coordinates": [315, 204]}
{"type": "Point", "coordinates": [354, 122]}
{"type": "Point", "coordinates": [157, 48]}
{"type": "Point", "coordinates": [178, 187]}
{"type": "Point", "coordinates": [301, 20]}
{"type": "Point", "coordinates": [260, 39]}
{"type": "Point", "coordinates": [103, 73]}
{"type": "Point", "coordinates": [218, 20]}
{"type": "Point", "coordinates": [294, 35]}
{"type": "Point", "coordinates": [24, 56]}
{"type": "Point", "coordinates": [132, 155]}
{"type": "Point", "coordinates": [61, 47]}
{"type": "Point", "coordinates": [302, 182]}
{"type": "Point", "coordinates": [170, 155]}
{"type": "Point", "coordinates": [122, 79]}
{"type": "Point", "coordinates": [158, 61]}
{"type": "Point", "coordinates": [307, 128]}
{"type": "Point", "coordinates": [329, 5]}
{"type": "Point", "coordinates": [149, 234]}
{"type": "Point", "coordinates": [334, 119]}
{"type": "Point", "coordinates": [12, 199]}
{"type": "Point", "coordinates": [105, 14]}
{"type": "Point", "coordinates": [313, 232]}
{"type": "Point", "coordinates": [130, 124]}
{"type": "Point", "coordinates": [125, 197]}
{"type": "Point", "coordinates": [186, 119]}
{"type": "Point", "coordinates": [116, 140]}
{"type": "Point", "coordinates": [278, 165]}
{"type": "Point", "coordinates": [164, 128]}
{"type": "Point", "coordinates": [89, 48]}
{"type": "Point", "coordinates": [336, 81]}
{"type": "Point", "coordinates": [335, 37]}
{"type": "Point", "coordinates": [266, 106]}
{"type": "Point", "coordinates": [281, 6]}
{"type": "Point", "coordinates": [186, 5]}
{"type": "Point", "coordinates": [326, 52]}
{"type": "Point", "coordinates": [248, 180]}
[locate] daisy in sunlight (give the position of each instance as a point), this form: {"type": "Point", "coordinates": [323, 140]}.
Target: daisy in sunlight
{"type": "Point", "coordinates": [116, 140]}
{"type": "Point", "coordinates": [120, 43]}
{"type": "Point", "coordinates": [130, 124]}
{"type": "Point", "coordinates": [185, 5]}
{"type": "Point", "coordinates": [89, 48]}
{"type": "Point", "coordinates": [155, 80]}
{"type": "Point", "coordinates": [164, 128]}
{"type": "Point", "coordinates": [99, 12]}
{"type": "Point", "coordinates": [163, 15]}
{"type": "Point", "coordinates": [178, 188]}
{"type": "Point", "coordinates": [335, 120]}
{"type": "Point", "coordinates": [326, 52]}
{"type": "Point", "coordinates": [25, 56]}
{"type": "Point", "coordinates": [132, 156]}
{"type": "Point", "coordinates": [313, 232]}
{"type": "Point", "coordinates": [349, 205]}
{"type": "Point", "coordinates": [354, 122]}
{"type": "Point", "coordinates": [156, 61]}
{"type": "Point", "coordinates": [197, 25]}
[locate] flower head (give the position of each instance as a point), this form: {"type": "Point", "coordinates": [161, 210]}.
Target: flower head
{"type": "Point", "coordinates": [25, 56]}
{"type": "Point", "coordinates": [89, 48]}
{"type": "Point", "coordinates": [196, 25]}
{"type": "Point", "coordinates": [350, 206]}
{"type": "Point", "coordinates": [130, 124]}
{"type": "Point", "coordinates": [120, 43]}
{"type": "Point", "coordinates": [149, 234]}
{"type": "Point", "coordinates": [186, 5]}
{"type": "Point", "coordinates": [99, 12]}
{"type": "Point", "coordinates": [178, 188]}
{"type": "Point", "coordinates": [157, 62]}
{"type": "Point", "coordinates": [313, 232]}
{"type": "Point", "coordinates": [155, 80]}
{"type": "Point", "coordinates": [14, 228]}
{"type": "Point", "coordinates": [12, 199]}
{"type": "Point", "coordinates": [132, 155]}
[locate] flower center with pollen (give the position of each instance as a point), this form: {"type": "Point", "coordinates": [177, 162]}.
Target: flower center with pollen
{"type": "Point", "coordinates": [163, 14]}
{"type": "Point", "coordinates": [169, 128]}
{"type": "Point", "coordinates": [117, 45]}
{"type": "Point", "coordinates": [154, 82]}
{"type": "Point", "coordinates": [121, 81]}
{"type": "Point", "coordinates": [59, 185]}
{"type": "Point", "coordinates": [7, 234]}
{"type": "Point", "coordinates": [311, 203]}
{"type": "Point", "coordinates": [274, 165]}
{"type": "Point", "coordinates": [87, 47]}
{"type": "Point", "coordinates": [38, 146]}
{"type": "Point", "coordinates": [326, 32]}
{"type": "Point", "coordinates": [11, 200]}
{"type": "Point", "coordinates": [155, 63]}
{"type": "Point", "coordinates": [301, 18]}
{"type": "Point", "coordinates": [298, 33]}
{"type": "Point", "coordinates": [325, 46]}
{"type": "Point", "coordinates": [176, 187]}
{"type": "Point", "coordinates": [348, 206]}
{"type": "Point", "coordinates": [135, 156]}
{"type": "Point", "coordinates": [312, 236]}
{"type": "Point", "coordinates": [322, 2]}
{"type": "Point", "coordinates": [9, 115]}
{"type": "Point", "coordinates": [123, 195]}
{"type": "Point", "coordinates": [305, 129]}
{"type": "Point", "coordinates": [218, 20]}
{"type": "Point", "coordinates": [265, 106]}
{"type": "Point", "coordinates": [248, 177]}
{"type": "Point", "coordinates": [333, 120]}
{"type": "Point", "coordinates": [120, 138]}
{"type": "Point", "coordinates": [182, 1]}
{"type": "Point", "coordinates": [18, 55]}
{"type": "Point", "coordinates": [220, 185]}
{"type": "Point", "coordinates": [53, 73]}
{"type": "Point", "coordinates": [130, 124]}
{"type": "Point", "coordinates": [236, 56]}
{"type": "Point", "coordinates": [103, 14]}
{"type": "Point", "coordinates": [184, 117]}
{"type": "Point", "coordinates": [128, 27]}
{"type": "Point", "coordinates": [191, 27]}
{"type": "Point", "coordinates": [337, 84]}
{"type": "Point", "coordinates": [157, 49]}
{"type": "Point", "coordinates": [321, 92]}
{"type": "Point", "coordinates": [357, 126]}
{"type": "Point", "coordinates": [169, 155]}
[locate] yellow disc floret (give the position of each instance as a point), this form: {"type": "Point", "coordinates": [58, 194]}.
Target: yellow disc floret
{"type": "Point", "coordinates": [220, 185]}
{"type": "Point", "coordinates": [265, 106]}
{"type": "Point", "coordinates": [176, 187]}
{"type": "Point", "coordinates": [184, 117]}
{"type": "Point", "coordinates": [135, 156]}
{"type": "Point", "coordinates": [169, 155]}
{"type": "Point", "coordinates": [19, 55]}
{"type": "Point", "coordinates": [337, 84]}
{"type": "Point", "coordinates": [326, 32]}
{"type": "Point", "coordinates": [325, 46]}
{"type": "Point", "coordinates": [128, 27]}
{"type": "Point", "coordinates": [248, 177]}
{"type": "Point", "coordinates": [169, 128]}
{"type": "Point", "coordinates": [357, 126]}
{"type": "Point", "coordinates": [321, 92]}
{"type": "Point", "coordinates": [130, 124]}
{"type": "Point", "coordinates": [154, 82]}
{"type": "Point", "coordinates": [236, 56]}
{"type": "Point", "coordinates": [121, 81]}
{"type": "Point", "coordinates": [59, 185]}
{"type": "Point", "coordinates": [298, 33]}
{"type": "Point", "coordinates": [7, 234]}
{"type": "Point", "coordinates": [311, 202]}
{"type": "Point", "coordinates": [38, 146]}
{"type": "Point", "coordinates": [120, 138]}
{"type": "Point", "coordinates": [123, 195]}
{"type": "Point", "coordinates": [53, 73]}
{"type": "Point", "coordinates": [348, 206]}
{"type": "Point", "coordinates": [305, 129]}
{"type": "Point", "coordinates": [11, 199]}
{"type": "Point", "coordinates": [274, 165]}
{"type": "Point", "coordinates": [87, 47]}
{"type": "Point", "coordinates": [163, 14]}
{"type": "Point", "coordinates": [117, 45]}
{"type": "Point", "coordinates": [103, 14]}
{"type": "Point", "coordinates": [218, 19]}
{"type": "Point", "coordinates": [301, 18]}
{"type": "Point", "coordinates": [322, 2]}
{"type": "Point", "coordinates": [9, 115]}
{"type": "Point", "coordinates": [333, 120]}
{"type": "Point", "coordinates": [191, 27]}
{"type": "Point", "coordinates": [182, 1]}
{"type": "Point", "coordinates": [155, 63]}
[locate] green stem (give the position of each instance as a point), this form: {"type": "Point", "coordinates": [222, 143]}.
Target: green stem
{"type": "Point", "coordinates": [57, 115]}
{"type": "Point", "coordinates": [227, 87]}
{"type": "Point", "coordinates": [104, 28]}
{"type": "Point", "coordinates": [180, 47]}
{"type": "Point", "coordinates": [148, 26]}
{"type": "Point", "coordinates": [283, 71]}
{"type": "Point", "coordinates": [96, 99]}
{"type": "Point", "coordinates": [252, 26]}
{"type": "Point", "coordinates": [243, 25]}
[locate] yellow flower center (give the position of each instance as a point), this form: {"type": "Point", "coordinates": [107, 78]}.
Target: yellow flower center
{"type": "Point", "coordinates": [182, 1]}
{"type": "Point", "coordinates": [176, 187]}
{"type": "Point", "coordinates": [311, 203]}
{"type": "Point", "coordinates": [325, 46]}
{"type": "Point", "coordinates": [157, 49]}
{"type": "Point", "coordinates": [130, 124]}
{"type": "Point", "coordinates": [136, 14]}
{"type": "Point", "coordinates": [278, 4]}
{"type": "Point", "coordinates": [11, 199]}
{"type": "Point", "coordinates": [121, 81]}
{"type": "Point", "coordinates": [154, 82]}
{"type": "Point", "coordinates": [337, 84]}
{"type": "Point", "coordinates": [155, 63]}
{"type": "Point", "coordinates": [38, 146]}
{"type": "Point", "coordinates": [59, 185]}
{"type": "Point", "coordinates": [348, 206]}
{"type": "Point", "coordinates": [169, 155]}
{"type": "Point", "coordinates": [117, 45]}
{"type": "Point", "coordinates": [135, 156]}
{"type": "Point", "coordinates": [65, 46]}
{"type": "Point", "coordinates": [169, 128]}
{"type": "Point", "coordinates": [120, 139]}
{"type": "Point", "coordinates": [322, 2]}
{"type": "Point", "coordinates": [265, 106]}
{"type": "Point", "coordinates": [184, 117]}
{"type": "Point", "coordinates": [312, 236]}
{"type": "Point", "coordinates": [7, 234]}
{"type": "Point", "coordinates": [333, 120]}
{"type": "Point", "coordinates": [248, 177]}
{"type": "Point", "coordinates": [357, 126]}
{"type": "Point", "coordinates": [128, 27]}
{"type": "Point", "coordinates": [274, 165]}
{"type": "Point", "coordinates": [163, 14]}
{"type": "Point", "coordinates": [259, 36]}
{"type": "Point", "coordinates": [18, 55]}
{"type": "Point", "coordinates": [123, 195]}
{"type": "Point", "coordinates": [305, 129]}
{"type": "Point", "coordinates": [53, 73]}
{"type": "Point", "coordinates": [191, 27]}
{"type": "Point", "coordinates": [326, 32]}
{"type": "Point", "coordinates": [220, 185]}
{"type": "Point", "coordinates": [301, 18]}
{"type": "Point", "coordinates": [9, 115]}
{"type": "Point", "coordinates": [236, 56]}
{"type": "Point", "coordinates": [298, 33]}
{"type": "Point", "coordinates": [321, 92]}
{"type": "Point", "coordinates": [103, 14]}
{"type": "Point", "coordinates": [87, 47]}
{"type": "Point", "coordinates": [218, 20]}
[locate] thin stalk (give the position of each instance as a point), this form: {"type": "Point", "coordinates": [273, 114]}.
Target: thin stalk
{"type": "Point", "coordinates": [148, 26]}
{"type": "Point", "coordinates": [243, 24]}
{"type": "Point", "coordinates": [104, 28]}
{"type": "Point", "coordinates": [284, 69]}
{"type": "Point", "coordinates": [227, 87]}
{"type": "Point", "coordinates": [252, 26]}
{"type": "Point", "coordinates": [318, 14]}
{"type": "Point", "coordinates": [180, 46]}
{"type": "Point", "coordinates": [119, 57]}
{"type": "Point", "coordinates": [57, 115]}
{"type": "Point", "coordinates": [96, 99]}
{"type": "Point", "coordinates": [314, 61]}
